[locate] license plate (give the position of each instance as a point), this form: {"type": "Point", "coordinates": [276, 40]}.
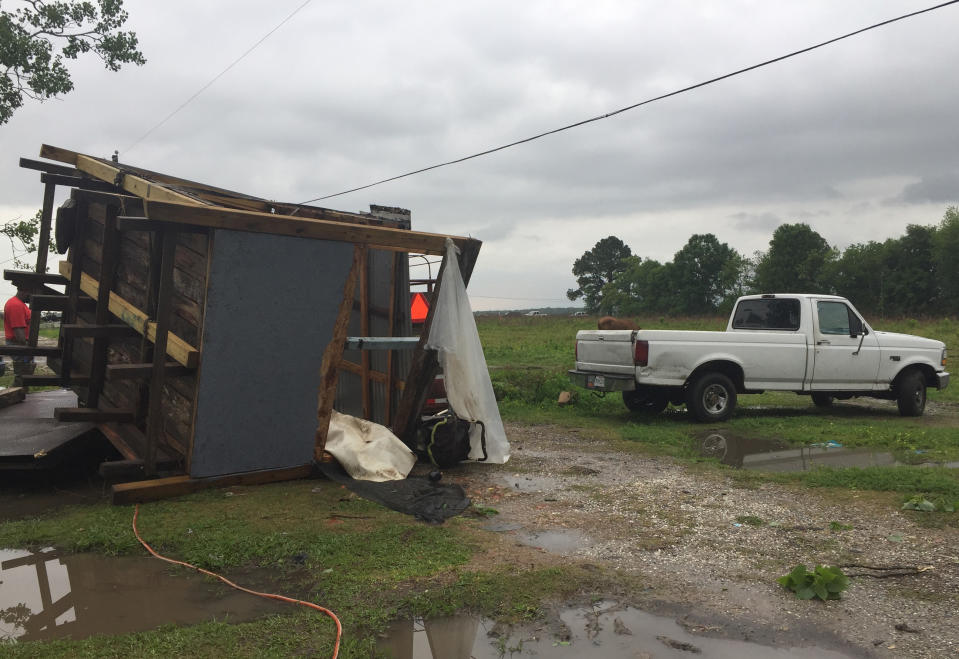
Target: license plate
{"type": "Point", "coordinates": [597, 381]}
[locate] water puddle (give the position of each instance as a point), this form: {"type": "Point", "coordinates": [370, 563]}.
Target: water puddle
{"type": "Point", "coordinates": [46, 595]}
{"type": "Point", "coordinates": [556, 541]}
{"type": "Point", "coordinates": [776, 455]}
{"type": "Point", "coordinates": [529, 483]}
{"type": "Point", "coordinates": [604, 631]}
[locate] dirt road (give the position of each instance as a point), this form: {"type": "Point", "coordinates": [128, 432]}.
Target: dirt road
{"type": "Point", "coordinates": [711, 551]}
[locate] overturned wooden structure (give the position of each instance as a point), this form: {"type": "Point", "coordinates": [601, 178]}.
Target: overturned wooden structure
{"type": "Point", "coordinates": [205, 331]}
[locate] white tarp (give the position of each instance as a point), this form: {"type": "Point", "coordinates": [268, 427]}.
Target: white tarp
{"type": "Point", "coordinates": [468, 388]}
{"type": "Point", "coordinates": [367, 450]}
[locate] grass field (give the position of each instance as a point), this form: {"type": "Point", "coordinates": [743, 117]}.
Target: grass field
{"type": "Point", "coordinates": [528, 359]}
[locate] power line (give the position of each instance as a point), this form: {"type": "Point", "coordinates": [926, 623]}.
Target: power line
{"type": "Point", "coordinates": [636, 105]}
{"type": "Point", "coordinates": [219, 75]}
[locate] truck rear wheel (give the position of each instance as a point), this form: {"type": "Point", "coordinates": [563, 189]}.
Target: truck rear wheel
{"type": "Point", "coordinates": [711, 397]}
{"type": "Point", "coordinates": [820, 399]}
{"type": "Point", "coordinates": [648, 401]}
{"type": "Point", "coordinates": [911, 396]}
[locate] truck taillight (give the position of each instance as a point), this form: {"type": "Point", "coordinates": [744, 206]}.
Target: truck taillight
{"type": "Point", "coordinates": [641, 353]}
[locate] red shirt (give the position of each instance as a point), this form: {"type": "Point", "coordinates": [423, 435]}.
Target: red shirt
{"type": "Point", "coordinates": [15, 314]}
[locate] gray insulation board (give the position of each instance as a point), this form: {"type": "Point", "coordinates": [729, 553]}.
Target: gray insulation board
{"type": "Point", "coordinates": [271, 305]}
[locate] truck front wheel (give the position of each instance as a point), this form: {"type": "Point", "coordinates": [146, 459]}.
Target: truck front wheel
{"type": "Point", "coordinates": [649, 401]}
{"type": "Point", "coordinates": [911, 395]}
{"type": "Point", "coordinates": [711, 397]}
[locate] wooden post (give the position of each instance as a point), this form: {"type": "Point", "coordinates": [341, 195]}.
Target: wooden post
{"type": "Point", "coordinates": [109, 252]}
{"type": "Point", "coordinates": [73, 289]}
{"type": "Point", "coordinates": [333, 354]}
{"type": "Point", "coordinates": [168, 240]}
{"type": "Point", "coordinates": [365, 328]}
{"type": "Point", "coordinates": [146, 348]}
{"type": "Point", "coordinates": [46, 215]}
{"type": "Point", "coordinates": [388, 387]}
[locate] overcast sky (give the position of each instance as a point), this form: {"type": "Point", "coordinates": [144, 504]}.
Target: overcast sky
{"type": "Point", "coordinates": [858, 139]}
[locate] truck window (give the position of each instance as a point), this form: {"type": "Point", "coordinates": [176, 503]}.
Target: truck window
{"type": "Point", "coordinates": [767, 314]}
{"type": "Point", "coordinates": [834, 317]}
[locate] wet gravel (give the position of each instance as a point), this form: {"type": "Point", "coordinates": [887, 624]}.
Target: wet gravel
{"type": "Point", "coordinates": [717, 548]}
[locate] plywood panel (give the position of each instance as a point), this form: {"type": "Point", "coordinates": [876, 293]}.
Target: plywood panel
{"type": "Point", "coordinates": [271, 303]}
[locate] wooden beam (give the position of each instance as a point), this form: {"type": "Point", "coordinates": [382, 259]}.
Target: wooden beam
{"type": "Point", "coordinates": [332, 356]}
{"type": "Point", "coordinates": [49, 167]}
{"type": "Point", "coordinates": [112, 432]}
{"type": "Point", "coordinates": [131, 183]}
{"type": "Point", "coordinates": [164, 310]}
{"type": "Point", "coordinates": [12, 396]}
{"type": "Point", "coordinates": [46, 214]}
{"type": "Point", "coordinates": [109, 253]}
{"type": "Point", "coordinates": [81, 182]}
{"type": "Point", "coordinates": [78, 379]}
{"type": "Point", "coordinates": [131, 223]}
{"type": "Point", "coordinates": [144, 371]}
{"type": "Point", "coordinates": [174, 486]}
{"type": "Point", "coordinates": [60, 302]}
{"type": "Point", "coordinates": [357, 369]}
{"type": "Point", "coordinates": [365, 330]}
{"type": "Point", "coordinates": [34, 278]}
{"type": "Point", "coordinates": [387, 238]}
{"type": "Point", "coordinates": [177, 348]}
{"type": "Point", "coordinates": [391, 322]}
{"type": "Point", "coordinates": [58, 154]}
{"type": "Point", "coordinates": [28, 351]}
{"type": "Point", "coordinates": [110, 331]}
{"type": "Point", "coordinates": [92, 414]}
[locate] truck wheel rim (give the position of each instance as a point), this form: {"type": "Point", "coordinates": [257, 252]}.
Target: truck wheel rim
{"type": "Point", "coordinates": [917, 395]}
{"type": "Point", "coordinates": [715, 398]}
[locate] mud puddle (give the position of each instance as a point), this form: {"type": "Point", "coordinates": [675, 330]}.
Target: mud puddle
{"type": "Point", "coordinates": [46, 595]}
{"type": "Point", "coordinates": [776, 455]}
{"type": "Point", "coordinates": [603, 631]}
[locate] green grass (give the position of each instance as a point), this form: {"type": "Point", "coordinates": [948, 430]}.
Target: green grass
{"type": "Point", "coordinates": [306, 539]}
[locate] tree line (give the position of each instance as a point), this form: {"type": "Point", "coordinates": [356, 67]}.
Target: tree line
{"type": "Point", "coordinates": [914, 274]}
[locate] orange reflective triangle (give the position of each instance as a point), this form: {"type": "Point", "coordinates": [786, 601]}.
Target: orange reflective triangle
{"type": "Point", "coordinates": [419, 307]}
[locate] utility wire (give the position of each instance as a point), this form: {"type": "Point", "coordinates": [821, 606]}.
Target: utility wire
{"type": "Point", "coordinates": [636, 105]}
{"type": "Point", "coordinates": [219, 75]}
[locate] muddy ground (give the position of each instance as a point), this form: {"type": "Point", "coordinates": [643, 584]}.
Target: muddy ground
{"type": "Point", "coordinates": [679, 528]}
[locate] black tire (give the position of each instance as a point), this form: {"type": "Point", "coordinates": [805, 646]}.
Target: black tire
{"type": "Point", "coordinates": [820, 399]}
{"type": "Point", "coordinates": [645, 401]}
{"type": "Point", "coordinates": [711, 397]}
{"type": "Point", "coordinates": [911, 394]}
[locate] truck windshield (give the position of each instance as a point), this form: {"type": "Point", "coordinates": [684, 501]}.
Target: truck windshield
{"type": "Point", "coordinates": [767, 314]}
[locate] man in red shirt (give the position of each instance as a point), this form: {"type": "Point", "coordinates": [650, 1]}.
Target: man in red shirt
{"type": "Point", "coordinates": [16, 328]}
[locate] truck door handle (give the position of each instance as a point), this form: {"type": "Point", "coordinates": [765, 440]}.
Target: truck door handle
{"type": "Point", "coordinates": [824, 342]}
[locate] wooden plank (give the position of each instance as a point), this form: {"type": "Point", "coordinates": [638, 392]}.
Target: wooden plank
{"type": "Point", "coordinates": [110, 331]}
{"type": "Point", "coordinates": [154, 418]}
{"type": "Point", "coordinates": [131, 183]}
{"type": "Point", "coordinates": [365, 330]}
{"type": "Point", "coordinates": [12, 396]}
{"type": "Point", "coordinates": [177, 348]}
{"type": "Point", "coordinates": [390, 358]}
{"type": "Point", "coordinates": [174, 486]}
{"type": "Point", "coordinates": [332, 356]}
{"type": "Point", "coordinates": [58, 154]}
{"type": "Point", "coordinates": [46, 213]}
{"type": "Point", "coordinates": [108, 259]}
{"type": "Point", "coordinates": [131, 223]}
{"type": "Point", "coordinates": [60, 302]}
{"type": "Point", "coordinates": [34, 278]}
{"type": "Point", "coordinates": [74, 275]}
{"type": "Point", "coordinates": [78, 379]}
{"type": "Point", "coordinates": [81, 182]}
{"type": "Point", "coordinates": [48, 167]}
{"type": "Point", "coordinates": [401, 240]}
{"type": "Point", "coordinates": [120, 443]}
{"type": "Point", "coordinates": [144, 371]}
{"type": "Point", "coordinates": [27, 351]}
{"type": "Point", "coordinates": [92, 414]}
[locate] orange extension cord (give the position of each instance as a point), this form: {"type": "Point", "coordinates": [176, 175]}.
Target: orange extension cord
{"type": "Point", "coordinates": [339, 628]}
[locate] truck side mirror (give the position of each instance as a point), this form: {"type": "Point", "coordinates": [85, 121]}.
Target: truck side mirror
{"type": "Point", "coordinates": [856, 328]}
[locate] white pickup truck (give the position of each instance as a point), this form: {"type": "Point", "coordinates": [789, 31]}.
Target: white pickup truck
{"type": "Point", "coordinates": [815, 345]}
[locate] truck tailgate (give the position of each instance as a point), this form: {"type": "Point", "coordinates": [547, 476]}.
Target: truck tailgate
{"type": "Point", "coordinates": [605, 351]}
